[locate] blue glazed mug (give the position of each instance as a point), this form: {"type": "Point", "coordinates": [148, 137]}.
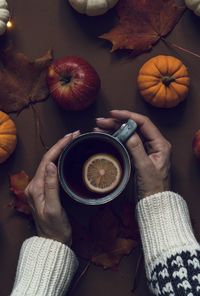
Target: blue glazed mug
{"type": "Point", "coordinates": [72, 159]}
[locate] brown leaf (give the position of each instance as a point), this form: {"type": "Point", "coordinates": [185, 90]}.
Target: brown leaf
{"type": "Point", "coordinates": [142, 23]}
{"type": "Point", "coordinates": [21, 81]}
{"type": "Point", "coordinates": [112, 258]}
{"type": "Point", "coordinates": [18, 183]}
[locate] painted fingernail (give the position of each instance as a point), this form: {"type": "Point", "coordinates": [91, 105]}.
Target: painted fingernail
{"type": "Point", "coordinates": [100, 118]}
{"type": "Point", "coordinates": [68, 135]}
{"type": "Point", "coordinates": [76, 133]}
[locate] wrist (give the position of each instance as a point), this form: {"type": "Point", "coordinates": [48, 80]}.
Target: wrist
{"type": "Point", "coordinates": [153, 188]}
{"type": "Point", "coordinates": [64, 238]}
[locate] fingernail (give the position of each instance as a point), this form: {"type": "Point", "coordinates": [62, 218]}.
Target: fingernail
{"type": "Point", "coordinates": [68, 135]}
{"type": "Point", "coordinates": [51, 169]}
{"type": "Point", "coordinates": [76, 133]}
{"type": "Point", "coordinates": [100, 118]}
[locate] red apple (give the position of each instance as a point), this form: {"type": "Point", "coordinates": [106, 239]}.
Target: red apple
{"type": "Point", "coordinates": [196, 144]}
{"type": "Point", "coordinates": [73, 83]}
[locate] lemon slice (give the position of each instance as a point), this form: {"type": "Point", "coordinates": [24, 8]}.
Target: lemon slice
{"type": "Point", "coordinates": [102, 173]}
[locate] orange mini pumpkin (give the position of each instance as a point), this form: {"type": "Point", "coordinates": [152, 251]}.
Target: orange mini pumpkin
{"type": "Point", "coordinates": [8, 138]}
{"type": "Point", "coordinates": [164, 81]}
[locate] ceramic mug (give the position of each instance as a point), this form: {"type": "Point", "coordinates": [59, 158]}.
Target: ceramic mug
{"type": "Point", "coordinates": [73, 157]}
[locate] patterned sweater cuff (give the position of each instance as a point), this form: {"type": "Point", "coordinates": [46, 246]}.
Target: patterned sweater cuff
{"type": "Point", "coordinates": [165, 224]}
{"type": "Point", "coordinates": [45, 267]}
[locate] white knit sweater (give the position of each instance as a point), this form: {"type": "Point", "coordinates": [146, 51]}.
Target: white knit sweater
{"type": "Point", "coordinates": [45, 268]}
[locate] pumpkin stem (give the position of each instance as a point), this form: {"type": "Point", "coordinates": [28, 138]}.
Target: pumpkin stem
{"type": "Point", "coordinates": [166, 80]}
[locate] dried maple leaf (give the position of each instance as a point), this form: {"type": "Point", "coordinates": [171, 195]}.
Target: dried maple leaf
{"type": "Point", "coordinates": [18, 183]}
{"type": "Point", "coordinates": [22, 82]}
{"type": "Point", "coordinates": [111, 243]}
{"type": "Point", "coordinates": [142, 23]}
{"type": "Point", "coordinates": [111, 258]}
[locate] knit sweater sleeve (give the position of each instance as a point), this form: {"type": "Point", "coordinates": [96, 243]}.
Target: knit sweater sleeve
{"type": "Point", "coordinates": [172, 254]}
{"type": "Point", "coordinates": [45, 268]}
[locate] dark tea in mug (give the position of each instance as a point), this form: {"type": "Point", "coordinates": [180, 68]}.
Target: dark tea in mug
{"type": "Point", "coordinates": [78, 155]}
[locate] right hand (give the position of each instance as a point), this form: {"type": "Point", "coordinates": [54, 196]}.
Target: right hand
{"type": "Point", "coordinates": [150, 153]}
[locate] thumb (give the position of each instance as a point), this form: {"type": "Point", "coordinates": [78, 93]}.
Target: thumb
{"type": "Point", "coordinates": [137, 151]}
{"type": "Point", "coordinates": [51, 186]}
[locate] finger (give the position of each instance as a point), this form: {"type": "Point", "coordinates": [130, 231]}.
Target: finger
{"type": "Point", "coordinates": [138, 153]}
{"type": "Point", "coordinates": [99, 130]}
{"type": "Point", "coordinates": [51, 187]}
{"type": "Point", "coordinates": [108, 123]}
{"type": "Point", "coordinates": [54, 152]}
{"type": "Point", "coordinates": [148, 129]}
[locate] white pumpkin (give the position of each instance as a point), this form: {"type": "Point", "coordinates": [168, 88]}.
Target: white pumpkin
{"type": "Point", "coordinates": [193, 5]}
{"type": "Point", "coordinates": [93, 7]}
{"type": "Point", "coordinates": [4, 16]}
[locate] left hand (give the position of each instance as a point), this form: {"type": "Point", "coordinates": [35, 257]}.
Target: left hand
{"type": "Point", "coordinates": [43, 195]}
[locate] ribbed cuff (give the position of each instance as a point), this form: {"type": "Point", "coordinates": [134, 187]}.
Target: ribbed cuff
{"type": "Point", "coordinates": [165, 225]}
{"type": "Point", "coordinates": [45, 268]}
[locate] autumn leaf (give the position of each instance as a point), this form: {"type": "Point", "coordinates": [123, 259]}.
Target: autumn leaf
{"type": "Point", "coordinates": [109, 237]}
{"type": "Point", "coordinates": [22, 82]}
{"type": "Point", "coordinates": [142, 23]}
{"type": "Point", "coordinates": [111, 258]}
{"type": "Point", "coordinates": [114, 235]}
{"type": "Point", "coordinates": [18, 183]}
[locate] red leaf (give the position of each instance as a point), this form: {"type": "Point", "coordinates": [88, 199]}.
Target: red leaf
{"type": "Point", "coordinates": [18, 184]}
{"type": "Point", "coordinates": [22, 82]}
{"type": "Point", "coordinates": [142, 23]}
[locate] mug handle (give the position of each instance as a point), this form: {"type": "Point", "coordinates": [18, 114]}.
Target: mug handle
{"type": "Point", "coordinates": [125, 131]}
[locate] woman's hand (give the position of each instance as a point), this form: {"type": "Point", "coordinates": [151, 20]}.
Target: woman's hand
{"type": "Point", "coordinates": [43, 195]}
{"type": "Point", "coordinates": [150, 151]}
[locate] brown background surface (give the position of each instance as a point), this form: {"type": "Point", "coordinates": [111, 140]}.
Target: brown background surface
{"type": "Point", "coordinates": [40, 25]}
